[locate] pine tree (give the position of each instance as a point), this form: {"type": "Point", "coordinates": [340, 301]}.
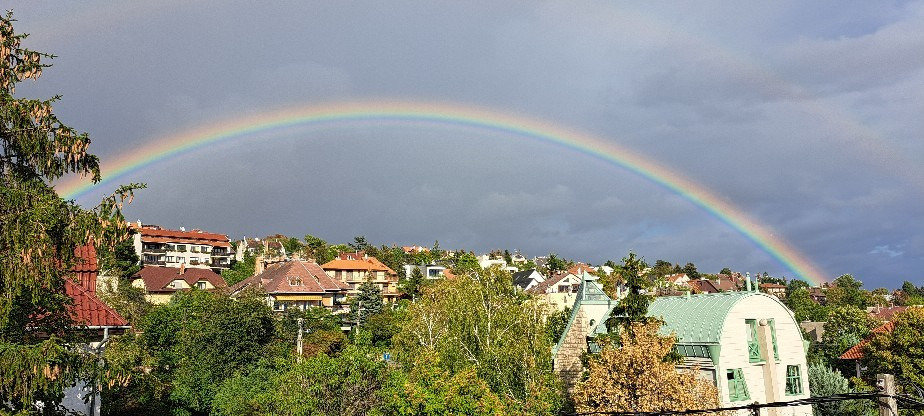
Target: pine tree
{"type": "Point", "coordinates": [39, 232]}
{"type": "Point", "coordinates": [634, 307]}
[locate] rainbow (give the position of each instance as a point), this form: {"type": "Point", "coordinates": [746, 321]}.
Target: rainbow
{"type": "Point", "coordinates": [339, 114]}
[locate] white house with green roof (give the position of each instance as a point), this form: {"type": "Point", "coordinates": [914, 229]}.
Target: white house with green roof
{"type": "Point", "coordinates": [747, 343]}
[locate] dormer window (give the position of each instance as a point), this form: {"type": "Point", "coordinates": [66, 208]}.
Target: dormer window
{"type": "Point", "coordinates": [295, 281]}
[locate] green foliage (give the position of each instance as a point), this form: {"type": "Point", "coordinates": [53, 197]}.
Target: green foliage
{"type": "Point", "coordinates": [826, 381]}
{"type": "Point", "coordinates": [318, 249]}
{"type": "Point", "coordinates": [725, 271]}
{"type": "Point", "coordinates": [479, 321]}
{"type": "Point", "coordinates": [555, 264]}
{"type": "Point", "coordinates": [556, 324]}
{"type": "Point", "coordinates": [191, 346]}
{"type": "Point", "coordinates": [805, 309]}
{"type": "Point", "coordinates": [347, 384]}
{"type": "Point", "coordinates": [794, 284]}
{"type": "Point", "coordinates": [846, 326]}
{"type": "Point", "coordinates": [240, 270]}
{"type": "Point", "coordinates": [634, 307]}
{"type": "Point", "coordinates": [367, 302]}
{"type": "Point", "coordinates": [129, 301]}
{"type": "Point", "coordinates": [846, 291]}
{"type": "Point", "coordinates": [412, 285]}
{"type": "Point", "coordinates": [429, 389]}
{"type": "Point", "coordinates": [360, 244]}
{"type": "Point", "coordinates": [249, 394]}
{"type": "Point", "coordinates": [39, 232]}
{"type": "Point", "coordinates": [900, 352]}
{"type": "Point", "coordinates": [691, 272]}
{"type": "Point", "coordinates": [383, 326]}
{"type": "Point", "coordinates": [121, 261]}
{"type": "Point", "coordinates": [292, 245]}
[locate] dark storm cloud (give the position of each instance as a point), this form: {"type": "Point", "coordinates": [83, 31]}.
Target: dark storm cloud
{"type": "Point", "coordinates": [805, 116]}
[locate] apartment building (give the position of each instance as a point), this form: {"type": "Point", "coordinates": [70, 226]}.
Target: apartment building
{"type": "Point", "coordinates": [197, 249]}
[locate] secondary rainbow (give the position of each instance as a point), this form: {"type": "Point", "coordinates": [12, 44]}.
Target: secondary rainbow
{"type": "Point", "coordinates": [345, 113]}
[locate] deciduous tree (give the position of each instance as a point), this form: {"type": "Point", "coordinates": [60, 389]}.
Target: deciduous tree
{"type": "Point", "coordinates": [635, 377]}
{"type": "Point", "coordinates": [480, 321]}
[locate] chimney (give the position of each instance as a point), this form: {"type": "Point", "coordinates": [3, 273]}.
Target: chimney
{"type": "Point", "coordinates": [747, 281]}
{"type": "Point", "coordinates": [258, 265]}
{"type": "Point", "coordinates": [182, 268]}
{"type": "Point", "coordinates": [183, 229]}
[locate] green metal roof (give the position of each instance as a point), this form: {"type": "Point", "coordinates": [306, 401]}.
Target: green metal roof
{"type": "Point", "coordinates": [696, 319]}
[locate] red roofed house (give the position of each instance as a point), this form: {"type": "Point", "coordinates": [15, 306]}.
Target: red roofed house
{"type": "Point", "coordinates": [172, 248]}
{"type": "Point", "coordinates": [298, 284]}
{"type": "Point", "coordinates": [161, 283]}
{"type": "Point", "coordinates": [559, 290]}
{"type": "Point", "coordinates": [702, 286]}
{"type": "Point", "coordinates": [356, 268]}
{"type": "Point", "coordinates": [855, 353]}
{"type": "Point", "coordinates": [96, 318]}
{"type": "Point", "coordinates": [87, 309]}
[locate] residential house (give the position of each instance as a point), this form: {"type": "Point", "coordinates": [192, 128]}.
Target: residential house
{"type": "Point", "coordinates": [414, 249]}
{"type": "Point", "coordinates": [677, 280]}
{"type": "Point", "coordinates": [270, 248]}
{"type": "Point", "coordinates": [727, 282]}
{"type": "Point", "coordinates": [161, 283]}
{"type": "Point", "coordinates": [886, 313]}
{"type": "Point", "coordinates": [747, 343]}
{"type": "Point", "coordinates": [356, 268]}
{"type": "Point", "coordinates": [702, 286]}
{"type": "Point", "coordinates": [156, 246]}
{"type": "Point", "coordinates": [428, 271]}
{"type": "Point", "coordinates": [528, 279]}
{"type": "Point", "coordinates": [559, 290]}
{"type": "Point", "coordinates": [774, 289]}
{"type": "Point", "coordinates": [486, 261]}
{"type": "Point", "coordinates": [96, 320]}
{"type": "Point", "coordinates": [819, 295]}
{"type": "Point", "coordinates": [296, 284]}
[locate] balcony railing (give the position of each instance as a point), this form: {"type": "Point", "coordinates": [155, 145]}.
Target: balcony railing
{"type": "Point", "coordinates": [153, 250]}
{"type": "Point", "coordinates": [156, 263]}
{"type": "Point", "coordinates": [221, 253]}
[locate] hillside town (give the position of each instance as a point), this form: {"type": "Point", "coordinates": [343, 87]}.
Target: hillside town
{"type": "Point", "coordinates": [748, 339]}
{"type": "Point", "coordinates": [101, 315]}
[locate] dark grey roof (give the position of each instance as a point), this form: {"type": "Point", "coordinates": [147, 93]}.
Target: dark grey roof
{"type": "Point", "coordinates": [522, 278]}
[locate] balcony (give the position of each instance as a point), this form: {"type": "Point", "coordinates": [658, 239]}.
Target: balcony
{"type": "Point", "coordinates": [156, 250]}
{"type": "Point", "coordinates": [221, 253]}
{"type": "Point", "coordinates": [155, 263]}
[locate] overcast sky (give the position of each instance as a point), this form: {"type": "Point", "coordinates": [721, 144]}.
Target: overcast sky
{"type": "Point", "coordinates": [808, 116]}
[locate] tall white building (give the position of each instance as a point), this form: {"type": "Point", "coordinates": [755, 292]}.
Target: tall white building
{"type": "Point", "coordinates": [173, 248]}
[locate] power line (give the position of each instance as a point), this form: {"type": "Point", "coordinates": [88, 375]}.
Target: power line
{"type": "Point", "coordinates": [906, 400]}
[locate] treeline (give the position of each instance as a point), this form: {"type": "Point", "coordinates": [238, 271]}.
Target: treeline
{"type": "Point", "coordinates": [470, 345]}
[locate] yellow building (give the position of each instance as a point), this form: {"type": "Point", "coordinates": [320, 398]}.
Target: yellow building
{"type": "Point", "coordinates": [357, 268]}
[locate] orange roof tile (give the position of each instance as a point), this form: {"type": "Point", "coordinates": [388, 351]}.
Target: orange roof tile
{"type": "Point", "coordinates": [856, 352]}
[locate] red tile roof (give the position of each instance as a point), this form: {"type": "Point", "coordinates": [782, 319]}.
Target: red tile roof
{"type": "Point", "coordinates": [856, 352]}
{"type": "Point", "coordinates": [157, 279]}
{"type": "Point", "coordinates": [357, 261]}
{"type": "Point", "coordinates": [702, 286]}
{"type": "Point", "coordinates": [886, 314]}
{"type": "Point", "coordinates": [154, 235]}
{"type": "Point", "coordinates": [293, 277]}
{"type": "Point", "coordinates": [553, 279]}
{"type": "Point", "coordinates": [87, 308]}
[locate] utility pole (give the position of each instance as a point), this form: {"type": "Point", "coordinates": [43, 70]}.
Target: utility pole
{"type": "Point", "coordinates": [887, 405]}
{"type": "Point", "coordinates": [298, 342]}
